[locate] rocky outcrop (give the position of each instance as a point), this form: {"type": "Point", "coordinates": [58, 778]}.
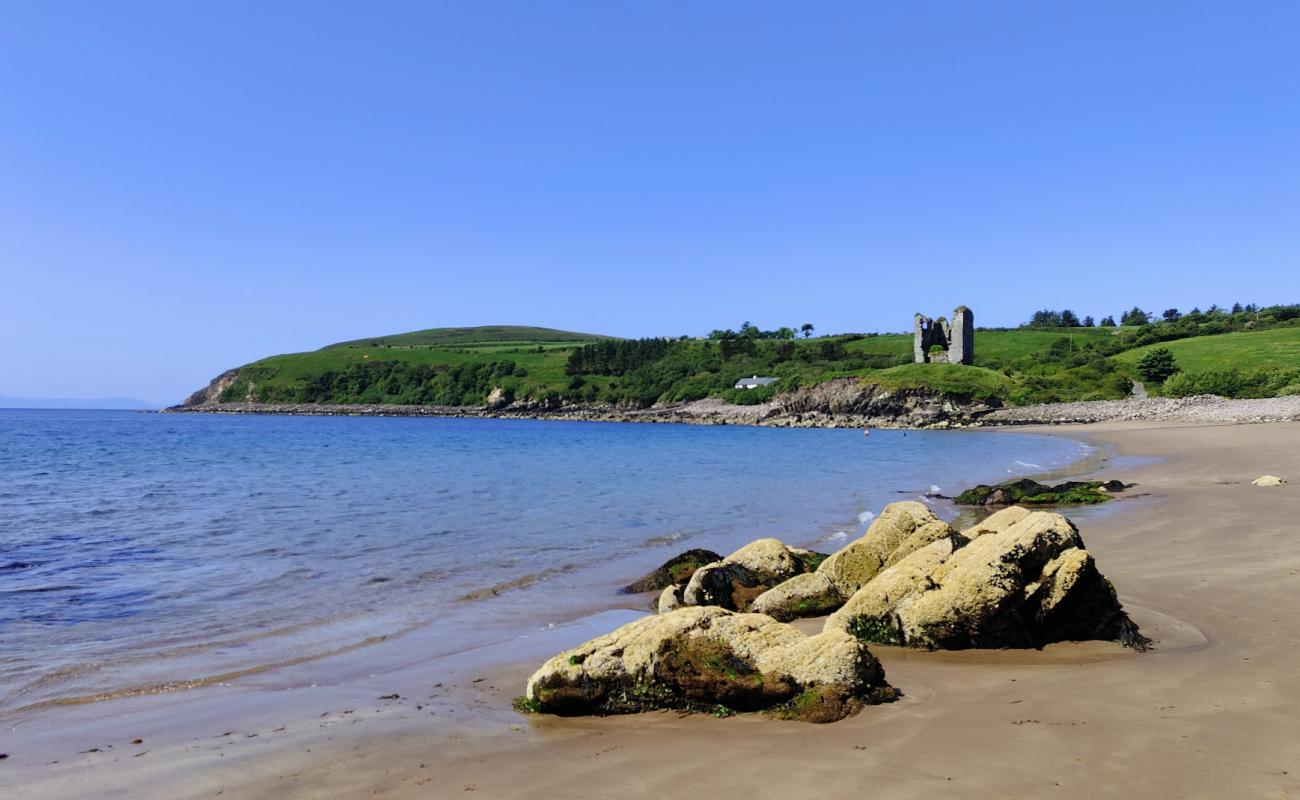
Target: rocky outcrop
{"type": "Point", "coordinates": [1019, 579]}
{"type": "Point", "coordinates": [849, 402]}
{"type": "Point", "coordinates": [210, 395]}
{"type": "Point", "coordinates": [711, 659]}
{"type": "Point", "coordinates": [733, 582]}
{"type": "Point", "coordinates": [675, 571]}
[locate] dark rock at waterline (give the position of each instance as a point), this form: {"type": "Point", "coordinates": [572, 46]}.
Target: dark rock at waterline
{"type": "Point", "coordinates": [675, 571]}
{"type": "Point", "coordinates": [1028, 492]}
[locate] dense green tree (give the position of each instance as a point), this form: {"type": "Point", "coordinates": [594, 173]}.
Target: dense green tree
{"type": "Point", "coordinates": [1157, 365]}
{"type": "Point", "coordinates": [1045, 318]}
{"type": "Point", "coordinates": [1069, 319]}
{"type": "Point", "coordinates": [807, 329]}
{"type": "Point", "coordinates": [1135, 316]}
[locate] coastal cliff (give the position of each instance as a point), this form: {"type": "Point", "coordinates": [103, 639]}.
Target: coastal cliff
{"type": "Point", "coordinates": [838, 403]}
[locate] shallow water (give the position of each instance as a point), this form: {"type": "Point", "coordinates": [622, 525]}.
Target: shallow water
{"type": "Point", "coordinates": [145, 551]}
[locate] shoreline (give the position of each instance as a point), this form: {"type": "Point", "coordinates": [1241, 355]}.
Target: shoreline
{"type": "Point", "coordinates": [942, 414]}
{"type": "Point", "coordinates": [474, 739]}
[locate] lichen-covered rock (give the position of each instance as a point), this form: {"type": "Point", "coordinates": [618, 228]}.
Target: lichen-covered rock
{"type": "Point", "coordinates": [770, 558]}
{"type": "Point", "coordinates": [734, 582]}
{"type": "Point", "coordinates": [703, 657]}
{"type": "Point", "coordinates": [869, 613]}
{"type": "Point", "coordinates": [809, 595]}
{"type": "Point", "coordinates": [857, 563]}
{"type": "Point", "coordinates": [997, 522]}
{"type": "Point", "coordinates": [1022, 584]}
{"type": "Point", "coordinates": [676, 570]}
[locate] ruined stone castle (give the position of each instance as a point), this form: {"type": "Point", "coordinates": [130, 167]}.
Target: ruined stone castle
{"type": "Point", "coordinates": [937, 341]}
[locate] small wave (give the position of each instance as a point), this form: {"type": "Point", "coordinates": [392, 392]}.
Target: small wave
{"type": "Point", "coordinates": [935, 489]}
{"type": "Point", "coordinates": [838, 536]}
{"type": "Point", "coordinates": [1027, 464]}
{"type": "Point", "coordinates": [519, 583]}
{"type": "Point", "coordinates": [866, 516]}
{"type": "Point", "coordinates": [658, 541]}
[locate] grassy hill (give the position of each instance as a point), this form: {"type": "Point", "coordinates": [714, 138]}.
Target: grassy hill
{"type": "Point", "coordinates": [483, 336]}
{"type": "Point", "coordinates": [1247, 350]}
{"type": "Point", "coordinates": [465, 366]}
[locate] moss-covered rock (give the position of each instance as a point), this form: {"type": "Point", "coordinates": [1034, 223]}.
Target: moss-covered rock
{"type": "Point", "coordinates": [703, 658]}
{"type": "Point", "coordinates": [1027, 492]}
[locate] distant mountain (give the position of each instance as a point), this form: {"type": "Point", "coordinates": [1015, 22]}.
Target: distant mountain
{"type": "Point", "coordinates": [114, 403]}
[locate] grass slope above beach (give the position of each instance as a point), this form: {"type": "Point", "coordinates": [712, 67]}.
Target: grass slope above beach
{"type": "Point", "coordinates": [467, 366]}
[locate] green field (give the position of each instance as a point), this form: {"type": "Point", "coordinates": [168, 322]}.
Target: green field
{"type": "Point", "coordinates": [464, 366]}
{"type": "Point", "coordinates": [1279, 347]}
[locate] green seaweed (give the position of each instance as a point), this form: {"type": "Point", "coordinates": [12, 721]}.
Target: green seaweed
{"type": "Point", "coordinates": [875, 631]}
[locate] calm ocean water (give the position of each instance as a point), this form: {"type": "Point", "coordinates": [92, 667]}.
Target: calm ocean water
{"type": "Point", "coordinates": [147, 551]}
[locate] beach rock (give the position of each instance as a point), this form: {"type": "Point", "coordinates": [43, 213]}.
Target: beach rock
{"type": "Point", "coordinates": [808, 595]}
{"type": "Point", "coordinates": [907, 522]}
{"type": "Point", "coordinates": [1023, 580]}
{"type": "Point", "coordinates": [734, 582]}
{"type": "Point", "coordinates": [1268, 480]}
{"type": "Point", "coordinates": [676, 570]}
{"type": "Point", "coordinates": [704, 657]}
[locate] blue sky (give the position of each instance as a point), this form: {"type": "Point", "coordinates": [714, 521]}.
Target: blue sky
{"type": "Point", "coordinates": [189, 186]}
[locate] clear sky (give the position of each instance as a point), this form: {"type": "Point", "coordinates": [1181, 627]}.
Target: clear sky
{"type": "Point", "coordinates": [186, 186]}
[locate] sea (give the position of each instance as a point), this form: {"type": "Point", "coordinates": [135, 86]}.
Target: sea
{"type": "Point", "coordinates": [145, 552]}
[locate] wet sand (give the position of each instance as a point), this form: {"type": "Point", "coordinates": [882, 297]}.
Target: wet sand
{"type": "Point", "coordinates": [1207, 564]}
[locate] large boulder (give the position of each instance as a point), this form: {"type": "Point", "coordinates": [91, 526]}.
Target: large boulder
{"type": "Point", "coordinates": [703, 658]}
{"type": "Point", "coordinates": [1020, 581]}
{"type": "Point", "coordinates": [675, 571]}
{"type": "Point", "coordinates": [733, 582]}
{"type": "Point", "coordinates": [900, 529]}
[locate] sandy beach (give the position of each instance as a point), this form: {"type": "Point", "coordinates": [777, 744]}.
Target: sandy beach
{"type": "Point", "coordinates": [1207, 564]}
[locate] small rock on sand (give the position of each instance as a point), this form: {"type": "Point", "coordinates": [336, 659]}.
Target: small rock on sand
{"type": "Point", "coordinates": [1268, 480]}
